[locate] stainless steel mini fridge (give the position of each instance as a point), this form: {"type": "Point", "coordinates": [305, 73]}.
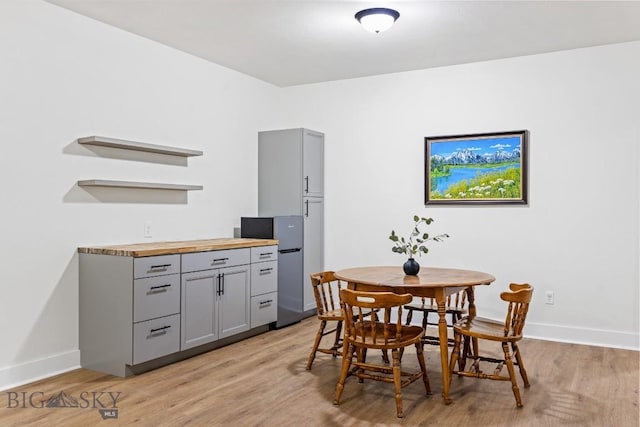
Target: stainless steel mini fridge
{"type": "Point", "coordinates": [289, 232]}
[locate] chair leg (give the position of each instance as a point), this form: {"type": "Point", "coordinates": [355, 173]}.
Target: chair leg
{"type": "Point", "coordinates": [512, 374]}
{"type": "Point", "coordinates": [523, 371]}
{"type": "Point", "coordinates": [397, 381]}
{"type": "Point", "coordinates": [336, 342]}
{"type": "Point", "coordinates": [362, 358]}
{"type": "Point", "coordinates": [455, 355]}
{"type": "Point", "coordinates": [409, 317]}
{"type": "Point", "coordinates": [462, 362]}
{"type": "Point", "coordinates": [347, 354]}
{"type": "Point", "coordinates": [423, 366]}
{"type": "Point", "coordinates": [316, 344]}
{"type": "Point", "coordinates": [476, 351]}
{"type": "Point", "coordinates": [385, 356]}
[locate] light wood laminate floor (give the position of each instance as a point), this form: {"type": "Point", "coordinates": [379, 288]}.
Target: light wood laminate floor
{"type": "Point", "coordinates": [262, 381]}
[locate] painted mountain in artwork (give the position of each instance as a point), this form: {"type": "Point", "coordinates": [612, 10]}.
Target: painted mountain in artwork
{"type": "Point", "coordinates": [62, 400]}
{"type": "Point", "coordinates": [468, 157]}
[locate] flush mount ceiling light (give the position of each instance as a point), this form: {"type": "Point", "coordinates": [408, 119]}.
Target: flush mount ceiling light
{"type": "Point", "coordinates": [377, 19]}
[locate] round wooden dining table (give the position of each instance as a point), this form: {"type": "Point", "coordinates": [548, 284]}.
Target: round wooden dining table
{"type": "Point", "coordinates": [435, 283]}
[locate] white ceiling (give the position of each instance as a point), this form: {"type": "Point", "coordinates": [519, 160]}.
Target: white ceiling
{"type": "Point", "coordinates": [292, 42]}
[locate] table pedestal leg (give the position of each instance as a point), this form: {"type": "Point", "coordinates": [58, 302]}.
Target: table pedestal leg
{"type": "Point", "coordinates": [444, 344]}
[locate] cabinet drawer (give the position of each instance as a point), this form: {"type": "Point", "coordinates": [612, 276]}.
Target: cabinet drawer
{"type": "Point", "coordinates": [264, 253]}
{"type": "Point", "coordinates": [264, 309]}
{"type": "Point", "coordinates": [156, 338]}
{"type": "Point", "coordinates": [215, 259]}
{"type": "Point", "coordinates": [264, 277]}
{"type": "Point", "coordinates": [156, 297]}
{"type": "Point", "coordinates": [156, 266]}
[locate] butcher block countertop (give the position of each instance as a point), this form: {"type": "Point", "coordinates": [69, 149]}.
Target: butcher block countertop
{"type": "Point", "coordinates": [182, 247]}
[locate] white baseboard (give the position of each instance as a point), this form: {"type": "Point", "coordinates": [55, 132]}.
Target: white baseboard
{"type": "Point", "coordinates": [575, 335]}
{"type": "Point", "coordinates": [15, 376]}
{"type": "Point", "coordinates": [586, 336]}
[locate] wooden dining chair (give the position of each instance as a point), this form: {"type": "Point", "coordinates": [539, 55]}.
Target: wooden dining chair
{"type": "Point", "coordinates": [378, 332]}
{"type": "Point", "coordinates": [326, 290]}
{"type": "Point", "coordinates": [455, 306]}
{"type": "Point", "coordinates": [508, 333]}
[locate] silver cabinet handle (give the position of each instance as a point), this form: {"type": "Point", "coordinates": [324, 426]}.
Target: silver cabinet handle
{"type": "Point", "coordinates": [159, 288]}
{"type": "Point", "coordinates": [306, 184]}
{"type": "Point", "coordinates": [306, 208]}
{"type": "Point", "coordinates": [266, 270]}
{"type": "Point", "coordinates": [266, 302]}
{"type": "Point", "coordinates": [159, 267]}
{"type": "Point", "coordinates": [162, 330]}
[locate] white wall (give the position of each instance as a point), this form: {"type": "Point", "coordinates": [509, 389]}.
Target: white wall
{"type": "Point", "coordinates": [579, 234]}
{"type": "Point", "coordinates": [65, 76]}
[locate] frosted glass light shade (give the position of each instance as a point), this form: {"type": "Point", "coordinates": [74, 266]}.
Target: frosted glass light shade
{"type": "Point", "coordinates": [377, 19]}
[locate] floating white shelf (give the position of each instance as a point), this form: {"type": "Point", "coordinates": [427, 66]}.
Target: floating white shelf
{"type": "Point", "coordinates": [102, 141]}
{"type": "Point", "coordinates": [134, 184]}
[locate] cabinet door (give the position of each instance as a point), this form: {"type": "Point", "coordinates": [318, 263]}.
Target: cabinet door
{"type": "Point", "coordinates": [199, 315]}
{"type": "Point", "coordinates": [313, 246]}
{"type": "Point", "coordinates": [234, 300]}
{"type": "Point", "coordinates": [280, 178]}
{"type": "Point", "coordinates": [312, 164]}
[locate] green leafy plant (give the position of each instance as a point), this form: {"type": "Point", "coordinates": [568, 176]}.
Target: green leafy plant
{"type": "Point", "coordinates": [416, 241]}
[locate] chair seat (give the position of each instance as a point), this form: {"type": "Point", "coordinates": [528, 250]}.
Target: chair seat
{"type": "Point", "coordinates": [408, 335]}
{"type": "Point", "coordinates": [331, 315]}
{"type": "Point", "coordinates": [479, 327]}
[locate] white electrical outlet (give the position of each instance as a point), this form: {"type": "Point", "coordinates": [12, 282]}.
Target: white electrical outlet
{"type": "Point", "coordinates": [548, 297]}
{"type": "Point", "coordinates": [147, 229]}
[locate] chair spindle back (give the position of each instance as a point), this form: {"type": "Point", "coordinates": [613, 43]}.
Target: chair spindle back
{"type": "Point", "coordinates": [518, 298]}
{"type": "Point", "coordinates": [326, 289]}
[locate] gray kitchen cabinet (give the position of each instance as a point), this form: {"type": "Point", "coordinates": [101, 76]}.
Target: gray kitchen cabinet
{"type": "Point", "coordinates": [264, 285]}
{"type": "Point", "coordinates": [291, 182]}
{"type": "Point", "coordinates": [215, 301]}
{"type": "Point", "coordinates": [141, 305]}
{"type": "Point", "coordinates": [290, 168]}
{"type": "Point", "coordinates": [129, 310]}
{"type": "Point", "coordinates": [313, 259]}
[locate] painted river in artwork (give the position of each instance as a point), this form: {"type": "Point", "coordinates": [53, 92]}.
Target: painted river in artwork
{"type": "Point", "coordinates": [464, 173]}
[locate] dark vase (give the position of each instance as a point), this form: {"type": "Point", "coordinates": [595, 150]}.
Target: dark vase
{"type": "Point", "coordinates": [411, 267]}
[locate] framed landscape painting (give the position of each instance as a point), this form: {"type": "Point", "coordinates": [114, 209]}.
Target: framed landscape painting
{"type": "Point", "coordinates": [483, 168]}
